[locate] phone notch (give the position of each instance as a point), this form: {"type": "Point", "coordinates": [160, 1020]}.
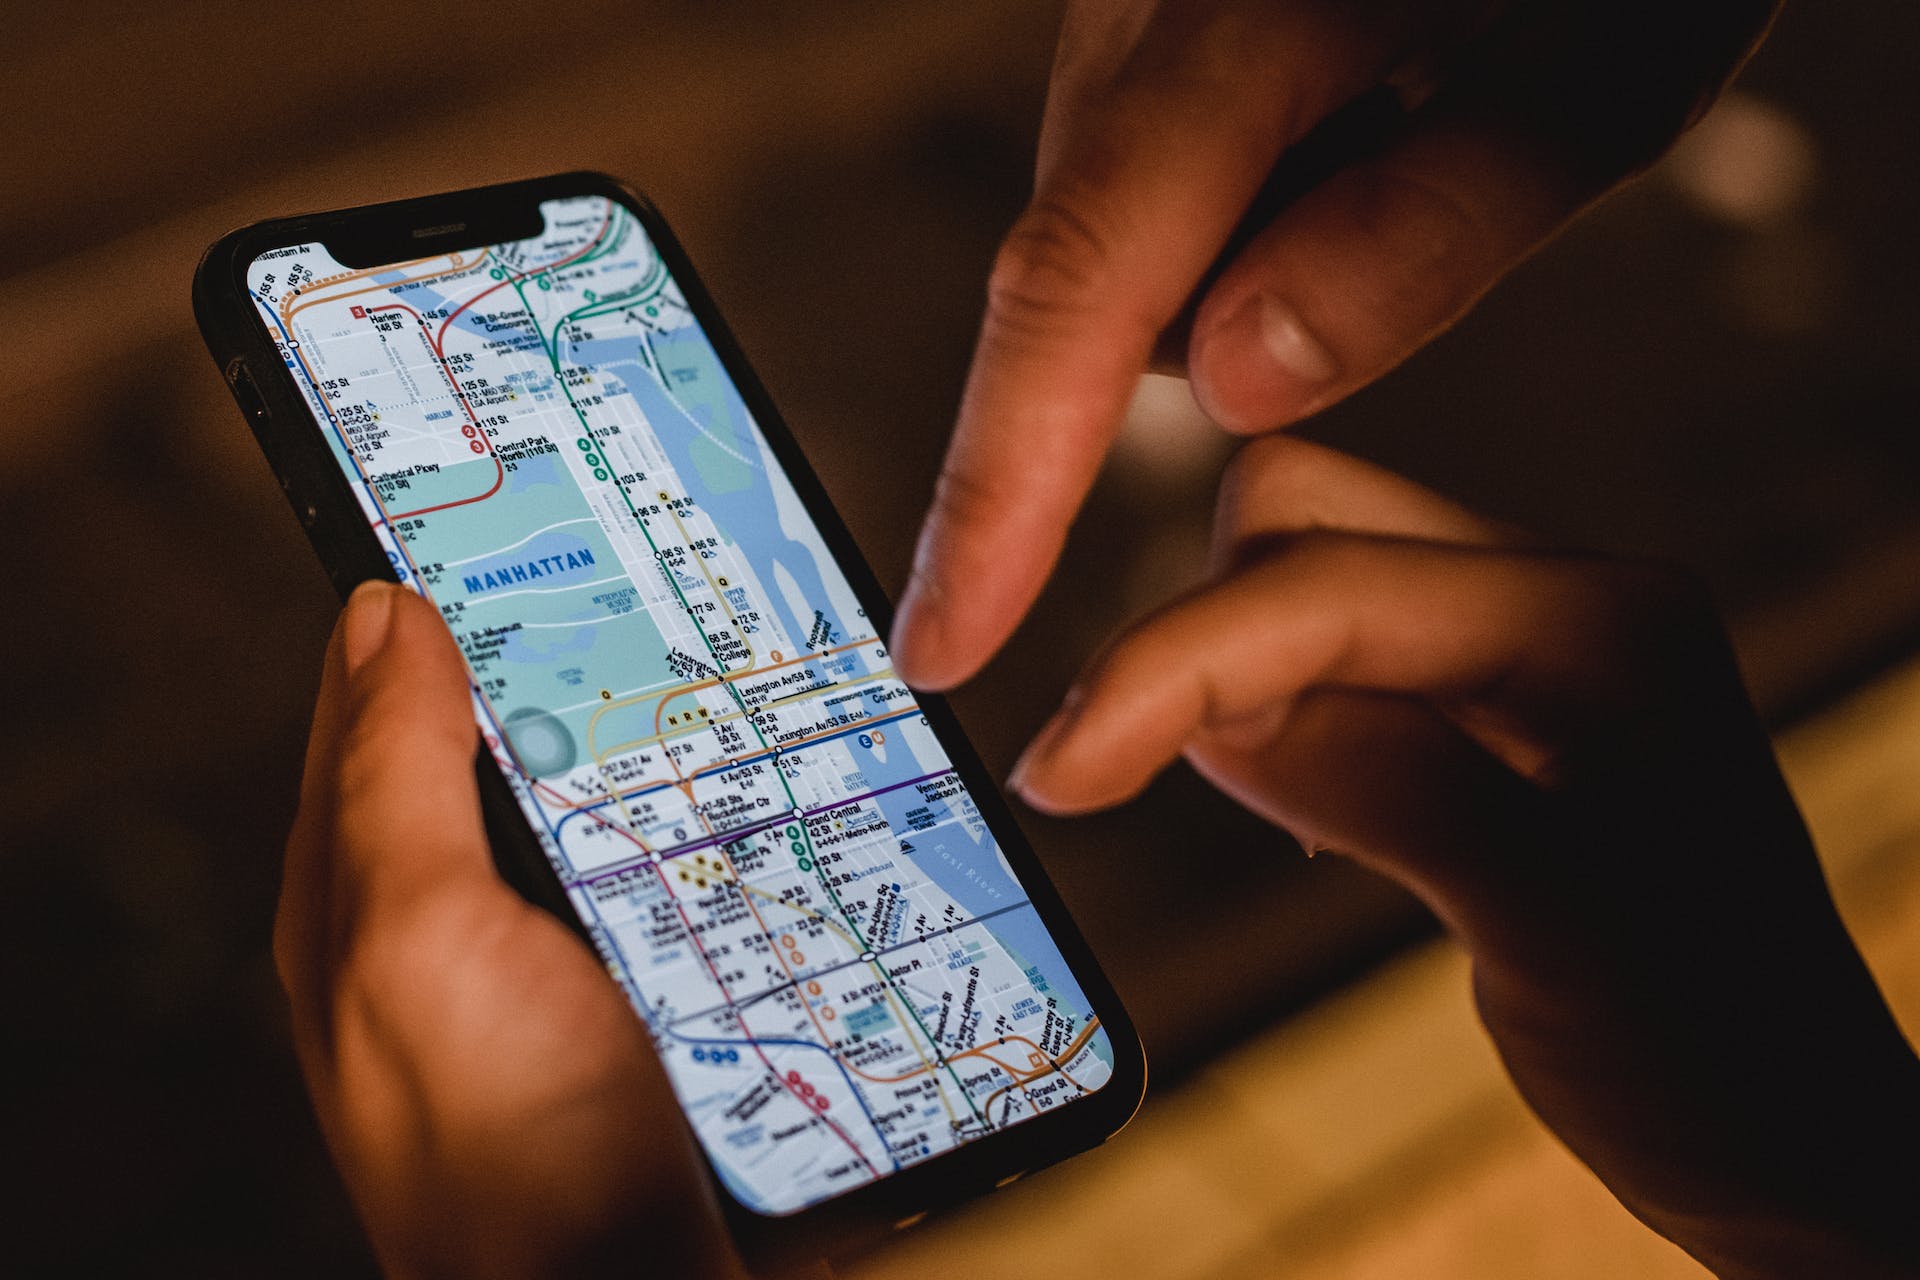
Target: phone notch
{"type": "Point", "coordinates": [414, 233]}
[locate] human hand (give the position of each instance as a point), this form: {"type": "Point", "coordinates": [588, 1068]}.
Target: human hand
{"type": "Point", "coordinates": [1162, 122]}
{"type": "Point", "coordinates": [1554, 750]}
{"type": "Point", "coordinates": [491, 1098]}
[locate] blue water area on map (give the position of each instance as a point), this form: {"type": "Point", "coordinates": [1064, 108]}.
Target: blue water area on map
{"type": "Point", "coordinates": [972, 874]}
{"type": "Point", "coordinates": [968, 871]}
{"type": "Point", "coordinates": [1023, 934]}
{"type": "Point", "coordinates": [707, 434]}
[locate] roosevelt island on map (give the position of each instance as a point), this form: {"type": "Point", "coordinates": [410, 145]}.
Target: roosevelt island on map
{"type": "Point", "coordinates": [771, 850]}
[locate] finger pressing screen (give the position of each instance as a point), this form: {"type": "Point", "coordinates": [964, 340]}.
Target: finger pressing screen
{"type": "Point", "coordinates": [1527, 643]}
{"type": "Point", "coordinates": [1141, 188]}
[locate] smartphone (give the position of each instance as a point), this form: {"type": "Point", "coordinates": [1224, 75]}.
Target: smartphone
{"type": "Point", "coordinates": [519, 402]}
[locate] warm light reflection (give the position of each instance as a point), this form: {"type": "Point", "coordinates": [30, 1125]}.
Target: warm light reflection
{"type": "Point", "coordinates": [1749, 163]}
{"type": "Point", "coordinates": [1165, 442]}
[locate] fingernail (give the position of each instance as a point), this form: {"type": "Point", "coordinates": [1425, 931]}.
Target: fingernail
{"type": "Point", "coordinates": [1262, 365]}
{"type": "Point", "coordinates": [369, 616]}
{"type": "Point", "coordinates": [1296, 351]}
{"type": "Point", "coordinates": [1044, 742]}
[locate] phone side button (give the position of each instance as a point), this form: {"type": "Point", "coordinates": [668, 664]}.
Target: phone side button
{"type": "Point", "coordinates": [252, 403]}
{"type": "Point", "coordinates": [246, 393]}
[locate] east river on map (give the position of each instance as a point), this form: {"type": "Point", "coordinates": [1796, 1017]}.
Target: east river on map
{"type": "Point", "coordinates": [770, 848]}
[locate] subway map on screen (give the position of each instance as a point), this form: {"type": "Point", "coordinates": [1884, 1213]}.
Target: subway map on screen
{"type": "Point", "coordinates": [767, 843]}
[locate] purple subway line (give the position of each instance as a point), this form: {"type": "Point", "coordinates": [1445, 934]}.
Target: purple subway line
{"type": "Point", "coordinates": [863, 725]}
{"type": "Point", "coordinates": [739, 833]}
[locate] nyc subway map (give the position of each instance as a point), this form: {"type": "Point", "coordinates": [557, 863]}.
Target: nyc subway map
{"type": "Point", "coordinates": [768, 845]}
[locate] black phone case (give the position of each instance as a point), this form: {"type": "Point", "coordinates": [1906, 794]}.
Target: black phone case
{"type": "Point", "coordinates": [256, 373]}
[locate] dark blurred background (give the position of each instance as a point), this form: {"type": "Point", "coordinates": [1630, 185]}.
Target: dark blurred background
{"type": "Point", "coordinates": [1717, 366]}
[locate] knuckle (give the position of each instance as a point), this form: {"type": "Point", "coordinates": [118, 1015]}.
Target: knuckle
{"type": "Point", "coordinates": [394, 951]}
{"type": "Point", "coordinates": [963, 498]}
{"type": "Point", "coordinates": [368, 996]}
{"type": "Point", "coordinates": [1125, 662]}
{"type": "Point", "coordinates": [1306, 574]}
{"type": "Point", "coordinates": [1051, 265]}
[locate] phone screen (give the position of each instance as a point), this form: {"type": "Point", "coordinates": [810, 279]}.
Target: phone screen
{"type": "Point", "coordinates": [765, 838]}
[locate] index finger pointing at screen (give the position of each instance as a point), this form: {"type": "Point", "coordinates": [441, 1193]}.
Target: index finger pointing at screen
{"type": "Point", "coordinates": [1153, 151]}
{"type": "Point", "coordinates": [1136, 200]}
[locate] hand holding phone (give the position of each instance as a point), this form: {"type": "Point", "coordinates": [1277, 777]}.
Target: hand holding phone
{"type": "Point", "coordinates": [493, 1103]}
{"type": "Point", "coordinates": [694, 750]}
